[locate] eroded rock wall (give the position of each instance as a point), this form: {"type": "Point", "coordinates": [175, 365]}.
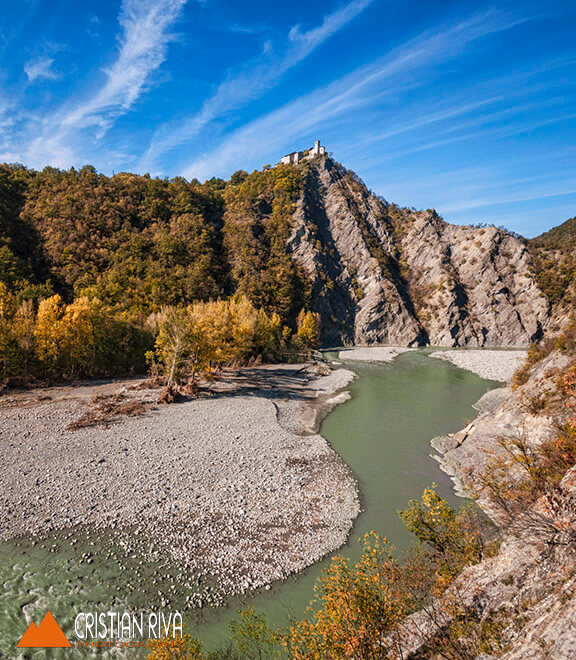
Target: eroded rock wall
{"type": "Point", "coordinates": [531, 582]}
{"type": "Point", "coordinates": [383, 275]}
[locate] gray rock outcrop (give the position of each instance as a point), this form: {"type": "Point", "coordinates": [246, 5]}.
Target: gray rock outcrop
{"type": "Point", "coordinates": [505, 415]}
{"type": "Point", "coordinates": [385, 275]}
{"type": "Point", "coordinates": [531, 581]}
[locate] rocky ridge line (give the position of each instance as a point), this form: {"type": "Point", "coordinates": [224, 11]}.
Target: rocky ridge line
{"type": "Point", "coordinates": [384, 275]}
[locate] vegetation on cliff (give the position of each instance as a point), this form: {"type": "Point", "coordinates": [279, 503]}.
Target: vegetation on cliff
{"type": "Point", "coordinates": [257, 224]}
{"type": "Point", "coordinates": [523, 472]}
{"type": "Point", "coordinates": [554, 255]}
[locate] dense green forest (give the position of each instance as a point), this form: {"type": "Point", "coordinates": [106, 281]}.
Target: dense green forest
{"type": "Point", "coordinates": [90, 265]}
{"type": "Point", "coordinates": [136, 242]}
{"type": "Point", "coordinates": [554, 254]}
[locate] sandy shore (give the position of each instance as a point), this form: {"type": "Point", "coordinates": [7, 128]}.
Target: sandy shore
{"type": "Point", "coordinates": [489, 364]}
{"type": "Point", "coordinates": [232, 484]}
{"type": "Point", "coordinates": [373, 353]}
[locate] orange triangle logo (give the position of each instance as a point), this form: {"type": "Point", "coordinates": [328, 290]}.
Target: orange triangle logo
{"type": "Point", "coordinates": [47, 635]}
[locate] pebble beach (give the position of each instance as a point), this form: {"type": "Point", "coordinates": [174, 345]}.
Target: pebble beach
{"type": "Point", "coordinates": [492, 364]}
{"type": "Point", "coordinates": [234, 485]}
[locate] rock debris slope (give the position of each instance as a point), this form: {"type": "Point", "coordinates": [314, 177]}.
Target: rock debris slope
{"type": "Point", "coordinates": [531, 581]}
{"type": "Point", "coordinates": [382, 274]}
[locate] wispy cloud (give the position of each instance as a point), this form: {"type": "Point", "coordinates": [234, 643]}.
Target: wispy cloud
{"type": "Point", "coordinates": [557, 190]}
{"type": "Point", "coordinates": [142, 48]}
{"type": "Point", "coordinates": [6, 120]}
{"type": "Point", "coordinates": [350, 94]}
{"type": "Point", "coordinates": [40, 67]}
{"type": "Point", "coordinates": [252, 79]}
{"type": "Point", "coordinates": [462, 188]}
{"type": "Point", "coordinates": [499, 133]}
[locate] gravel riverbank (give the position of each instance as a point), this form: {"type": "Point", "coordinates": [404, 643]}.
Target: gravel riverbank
{"type": "Point", "coordinates": [489, 364]}
{"type": "Point", "coordinates": [373, 353]}
{"type": "Point", "coordinates": [233, 484]}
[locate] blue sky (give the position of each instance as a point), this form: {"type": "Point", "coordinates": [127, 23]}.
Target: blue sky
{"type": "Point", "coordinates": [467, 107]}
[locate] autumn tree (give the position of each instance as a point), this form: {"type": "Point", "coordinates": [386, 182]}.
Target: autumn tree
{"type": "Point", "coordinates": [309, 329]}
{"type": "Point", "coordinates": [179, 648]}
{"type": "Point", "coordinates": [229, 327]}
{"type": "Point", "coordinates": [456, 537]}
{"type": "Point", "coordinates": [272, 337]}
{"type": "Point", "coordinates": [10, 354]}
{"type": "Point", "coordinates": [202, 338]}
{"type": "Point", "coordinates": [83, 339]}
{"type": "Point", "coordinates": [178, 349]}
{"type": "Point", "coordinates": [253, 636]}
{"type": "Point", "coordinates": [356, 606]}
{"type": "Point", "coordinates": [23, 327]}
{"type": "Point", "coordinates": [48, 332]}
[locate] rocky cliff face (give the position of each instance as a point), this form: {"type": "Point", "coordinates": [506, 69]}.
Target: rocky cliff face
{"type": "Point", "coordinates": [504, 414]}
{"type": "Point", "coordinates": [382, 274]}
{"type": "Point", "coordinates": [531, 581]}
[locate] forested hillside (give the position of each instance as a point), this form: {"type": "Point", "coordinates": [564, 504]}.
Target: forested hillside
{"type": "Point", "coordinates": [136, 242]}
{"type": "Point", "coordinates": [91, 267]}
{"type": "Point", "coordinates": [555, 263]}
{"type": "Point", "coordinates": [257, 225]}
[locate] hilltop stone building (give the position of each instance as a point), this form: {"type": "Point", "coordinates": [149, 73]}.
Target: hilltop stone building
{"type": "Point", "coordinates": [297, 156]}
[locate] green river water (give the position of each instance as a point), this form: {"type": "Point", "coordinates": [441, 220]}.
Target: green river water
{"type": "Point", "coordinates": [383, 433]}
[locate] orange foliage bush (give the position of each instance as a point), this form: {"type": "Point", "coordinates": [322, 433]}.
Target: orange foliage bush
{"type": "Point", "coordinates": [355, 607]}
{"type": "Point", "coordinates": [182, 648]}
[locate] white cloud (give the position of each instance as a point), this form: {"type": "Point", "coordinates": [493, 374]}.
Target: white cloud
{"type": "Point", "coordinates": [348, 96]}
{"type": "Point", "coordinates": [142, 48]}
{"type": "Point", "coordinates": [40, 67]}
{"type": "Point", "coordinates": [499, 132]}
{"type": "Point", "coordinates": [252, 79]}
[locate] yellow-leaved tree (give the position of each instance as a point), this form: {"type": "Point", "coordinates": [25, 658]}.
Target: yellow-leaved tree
{"type": "Point", "coordinates": [23, 327]}
{"type": "Point", "coordinates": [456, 537]}
{"type": "Point", "coordinates": [84, 329]}
{"type": "Point", "coordinates": [8, 347]}
{"type": "Point", "coordinates": [356, 607]}
{"type": "Point", "coordinates": [82, 339]}
{"type": "Point", "coordinates": [272, 336]}
{"type": "Point", "coordinates": [309, 329]}
{"type": "Point", "coordinates": [48, 332]}
{"type": "Point", "coordinates": [178, 348]}
{"type": "Point", "coordinates": [201, 338]}
{"type": "Point", "coordinates": [229, 327]}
